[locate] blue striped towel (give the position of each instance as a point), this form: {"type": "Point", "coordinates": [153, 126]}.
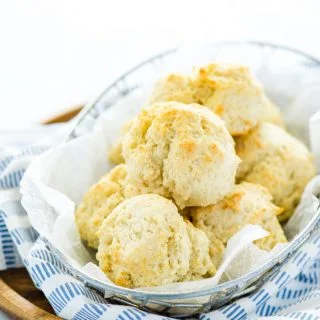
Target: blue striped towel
{"type": "Point", "coordinates": [293, 292]}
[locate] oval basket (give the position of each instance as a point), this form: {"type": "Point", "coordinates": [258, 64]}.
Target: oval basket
{"type": "Point", "coordinates": [178, 304]}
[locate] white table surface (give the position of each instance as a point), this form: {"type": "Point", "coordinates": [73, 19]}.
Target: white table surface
{"type": "Point", "coordinates": [57, 54]}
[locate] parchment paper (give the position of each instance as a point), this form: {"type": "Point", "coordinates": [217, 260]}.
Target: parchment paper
{"type": "Point", "coordinates": [55, 183]}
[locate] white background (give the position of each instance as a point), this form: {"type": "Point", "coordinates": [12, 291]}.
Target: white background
{"type": "Point", "coordinates": [57, 54]}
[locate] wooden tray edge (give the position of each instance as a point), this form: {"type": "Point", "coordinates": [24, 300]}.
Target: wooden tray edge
{"type": "Point", "coordinates": [64, 117]}
{"type": "Point", "coordinates": [12, 303]}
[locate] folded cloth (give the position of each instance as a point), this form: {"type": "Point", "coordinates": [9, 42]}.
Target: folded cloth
{"type": "Point", "coordinates": [292, 292]}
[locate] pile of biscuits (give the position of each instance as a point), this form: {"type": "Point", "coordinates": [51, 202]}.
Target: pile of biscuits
{"type": "Point", "coordinates": [207, 155]}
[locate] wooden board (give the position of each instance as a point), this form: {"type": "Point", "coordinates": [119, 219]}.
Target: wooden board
{"type": "Point", "coordinates": [18, 295]}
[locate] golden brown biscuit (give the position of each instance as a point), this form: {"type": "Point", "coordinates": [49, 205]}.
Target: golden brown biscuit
{"type": "Point", "coordinates": [174, 87]}
{"type": "Point", "coordinates": [230, 91]}
{"type": "Point", "coordinates": [183, 152]}
{"type": "Point", "coordinates": [115, 153]}
{"type": "Point", "coordinates": [233, 93]}
{"type": "Point", "coordinates": [200, 262]}
{"type": "Point", "coordinates": [247, 204]}
{"type": "Point", "coordinates": [99, 202]}
{"type": "Point", "coordinates": [144, 242]}
{"type": "Point", "coordinates": [276, 160]}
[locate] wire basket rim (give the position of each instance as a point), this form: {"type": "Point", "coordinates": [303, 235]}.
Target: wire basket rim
{"type": "Point", "coordinates": [294, 244]}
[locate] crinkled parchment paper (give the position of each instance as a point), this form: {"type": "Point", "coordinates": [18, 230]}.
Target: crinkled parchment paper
{"type": "Point", "coordinates": [55, 183]}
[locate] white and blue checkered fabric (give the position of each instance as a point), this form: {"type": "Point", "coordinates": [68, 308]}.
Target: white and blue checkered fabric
{"type": "Point", "coordinates": [293, 292]}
